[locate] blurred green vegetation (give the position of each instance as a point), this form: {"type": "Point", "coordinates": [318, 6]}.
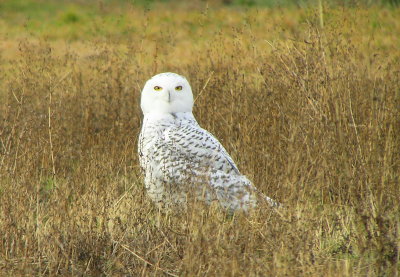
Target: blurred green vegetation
{"type": "Point", "coordinates": [76, 19]}
{"type": "Point", "coordinates": [41, 8]}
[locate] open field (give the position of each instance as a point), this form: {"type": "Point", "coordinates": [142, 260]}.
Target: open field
{"type": "Point", "coordinates": [310, 113]}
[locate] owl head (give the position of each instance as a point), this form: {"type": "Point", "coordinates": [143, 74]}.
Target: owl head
{"type": "Point", "coordinates": [167, 93]}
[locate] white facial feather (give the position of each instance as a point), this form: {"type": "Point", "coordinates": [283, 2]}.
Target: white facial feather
{"type": "Point", "coordinates": [161, 94]}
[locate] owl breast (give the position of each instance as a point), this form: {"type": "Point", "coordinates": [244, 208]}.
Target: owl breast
{"type": "Point", "coordinates": [167, 172]}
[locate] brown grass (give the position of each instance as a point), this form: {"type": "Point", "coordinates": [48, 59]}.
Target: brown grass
{"type": "Point", "coordinates": [312, 116]}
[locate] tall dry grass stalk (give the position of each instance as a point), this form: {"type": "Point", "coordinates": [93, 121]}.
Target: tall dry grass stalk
{"type": "Point", "coordinates": [313, 121]}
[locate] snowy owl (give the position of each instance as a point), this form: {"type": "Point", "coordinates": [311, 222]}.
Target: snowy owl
{"type": "Point", "coordinates": [180, 159]}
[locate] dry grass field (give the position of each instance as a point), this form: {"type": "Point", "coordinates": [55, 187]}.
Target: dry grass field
{"type": "Point", "coordinates": [310, 113]}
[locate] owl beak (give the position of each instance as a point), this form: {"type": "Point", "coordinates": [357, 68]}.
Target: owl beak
{"type": "Point", "coordinates": [169, 96]}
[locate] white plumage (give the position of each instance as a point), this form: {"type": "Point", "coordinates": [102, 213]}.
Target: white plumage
{"type": "Point", "coordinates": [179, 158]}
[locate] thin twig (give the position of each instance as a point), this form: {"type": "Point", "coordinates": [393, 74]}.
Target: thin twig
{"type": "Point", "coordinates": [49, 115]}
{"type": "Point", "coordinates": [355, 128]}
{"type": "Point", "coordinates": [204, 87]}
{"type": "Point", "coordinates": [50, 136]}
{"type": "Point", "coordinates": [267, 41]}
{"type": "Point", "coordinates": [321, 14]}
{"type": "Point", "coordinates": [123, 195]}
{"type": "Point", "coordinates": [147, 262]}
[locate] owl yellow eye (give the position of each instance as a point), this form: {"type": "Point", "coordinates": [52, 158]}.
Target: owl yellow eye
{"type": "Point", "coordinates": [178, 88]}
{"type": "Point", "coordinates": [157, 88]}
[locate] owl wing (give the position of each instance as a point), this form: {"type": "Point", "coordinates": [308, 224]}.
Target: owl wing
{"type": "Point", "coordinates": [200, 148]}
{"type": "Point", "coordinates": [191, 150]}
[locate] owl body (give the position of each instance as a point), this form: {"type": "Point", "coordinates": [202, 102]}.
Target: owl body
{"type": "Point", "coordinates": [180, 160]}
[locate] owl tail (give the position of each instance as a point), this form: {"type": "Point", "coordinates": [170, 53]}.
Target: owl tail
{"type": "Point", "coordinates": [272, 203]}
